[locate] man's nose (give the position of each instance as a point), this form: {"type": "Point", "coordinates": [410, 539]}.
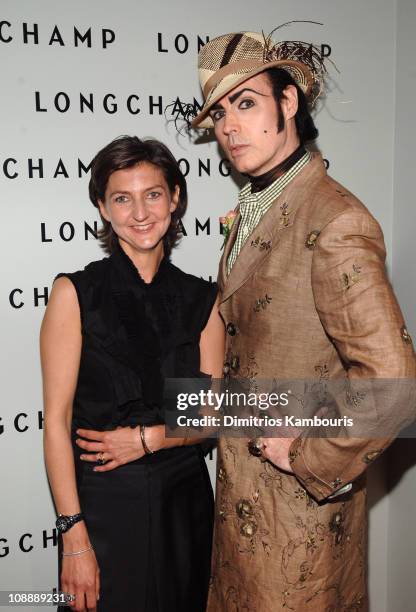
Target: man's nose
{"type": "Point", "coordinates": [230, 124]}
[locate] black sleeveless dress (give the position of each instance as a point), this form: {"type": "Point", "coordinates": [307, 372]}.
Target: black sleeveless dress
{"type": "Point", "coordinates": [150, 521]}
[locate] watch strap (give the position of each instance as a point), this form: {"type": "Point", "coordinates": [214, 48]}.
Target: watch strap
{"type": "Point", "coordinates": [70, 521]}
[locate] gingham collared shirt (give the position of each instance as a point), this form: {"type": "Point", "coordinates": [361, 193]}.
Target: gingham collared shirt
{"type": "Point", "coordinates": [254, 205]}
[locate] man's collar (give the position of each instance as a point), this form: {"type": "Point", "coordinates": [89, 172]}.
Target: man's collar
{"type": "Point", "coordinates": [246, 198]}
{"type": "Point", "coordinates": [261, 182]}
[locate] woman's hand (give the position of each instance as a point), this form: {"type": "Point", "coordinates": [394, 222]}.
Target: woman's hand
{"type": "Point", "coordinates": [80, 576]}
{"type": "Point", "coordinates": [118, 446]}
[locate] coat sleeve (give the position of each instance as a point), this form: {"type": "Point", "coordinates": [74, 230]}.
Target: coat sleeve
{"type": "Point", "coordinates": [361, 316]}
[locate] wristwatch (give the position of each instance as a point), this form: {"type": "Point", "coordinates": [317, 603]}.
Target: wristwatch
{"type": "Point", "coordinates": [63, 523]}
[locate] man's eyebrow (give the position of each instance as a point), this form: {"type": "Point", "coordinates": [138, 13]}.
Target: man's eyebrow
{"type": "Point", "coordinates": [235, 96]}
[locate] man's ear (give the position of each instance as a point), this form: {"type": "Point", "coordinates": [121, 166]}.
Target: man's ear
{"type": "Point", "coordinates": [103, 210]}
{"type": "Point", "coordinates": [175, 199]}
{"type": "Point", "coordinates": [289, 102]}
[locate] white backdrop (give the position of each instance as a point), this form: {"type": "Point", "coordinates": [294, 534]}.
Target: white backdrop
{"type": "Point", "coordinates": [74, 75]}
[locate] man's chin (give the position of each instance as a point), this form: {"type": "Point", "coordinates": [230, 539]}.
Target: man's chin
{"type": "Point", "coordinates": [241, 166]}
{"type": "Point", "coordinates": [244, 165]}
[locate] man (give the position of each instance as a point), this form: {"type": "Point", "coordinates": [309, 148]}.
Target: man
{"type": "Point", "coordinates": [304, 295]}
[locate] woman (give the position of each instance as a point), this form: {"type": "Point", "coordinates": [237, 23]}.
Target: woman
{"type": "Point", "coordinates": [136, 538]}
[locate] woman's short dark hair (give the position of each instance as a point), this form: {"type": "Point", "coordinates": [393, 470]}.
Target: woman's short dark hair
{"type": "Point", "coordinates": [279, 79]}
{"type": "Point", "coordinates": [125, 152]}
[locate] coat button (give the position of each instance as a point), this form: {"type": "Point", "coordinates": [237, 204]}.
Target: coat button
{"type": "Point", "coordinates": [235, 362]}
{"type": "Point", "coordinates": [226, 368]}
{"type": "Point", "coordinates": [231, 330]}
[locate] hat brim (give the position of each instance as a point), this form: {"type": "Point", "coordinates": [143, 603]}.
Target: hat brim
{"type": "Point", "coordinates": [204, 121]}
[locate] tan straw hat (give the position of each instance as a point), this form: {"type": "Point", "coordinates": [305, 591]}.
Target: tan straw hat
{"type": "Point", "coordinates": [231, 59]}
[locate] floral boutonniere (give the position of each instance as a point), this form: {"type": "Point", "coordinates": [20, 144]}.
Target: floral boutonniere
{"type": "Point", "coordinates": [226, 225]}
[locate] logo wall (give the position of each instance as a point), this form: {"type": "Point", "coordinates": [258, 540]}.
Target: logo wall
{"type": "Point", "coordinates": [70, 85]}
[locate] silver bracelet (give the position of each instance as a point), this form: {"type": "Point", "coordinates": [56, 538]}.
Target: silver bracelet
{"type": "Point", "coordinates": [78, 552]}
{"type": "Point", "coordinates": [142, 438]}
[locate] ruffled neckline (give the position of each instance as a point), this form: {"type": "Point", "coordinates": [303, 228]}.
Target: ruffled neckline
{"type": "Point", "coordinates": [129, 270]}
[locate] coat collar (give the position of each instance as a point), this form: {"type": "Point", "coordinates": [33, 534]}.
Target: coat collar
{"type": "Point", "coordinates": [266, 236]}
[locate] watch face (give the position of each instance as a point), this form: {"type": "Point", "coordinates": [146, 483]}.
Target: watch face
{"type": "Point", "coordinates": [61, 524]}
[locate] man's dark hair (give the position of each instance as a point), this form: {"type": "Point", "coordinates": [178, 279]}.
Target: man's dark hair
{"type": "Point", "coordinates": [125, 152]}
{"type": "Point", "coordinates": [279, 79]}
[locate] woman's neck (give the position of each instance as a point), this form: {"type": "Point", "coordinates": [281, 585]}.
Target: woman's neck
{"type": "Point", "coordinates": [146, 262]}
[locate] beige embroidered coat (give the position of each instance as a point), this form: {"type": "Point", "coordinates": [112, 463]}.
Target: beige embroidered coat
{"type": "Point", "coordinates": [307, 297]}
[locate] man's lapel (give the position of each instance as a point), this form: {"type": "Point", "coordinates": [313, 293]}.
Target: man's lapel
{"type": "Point", "coordinates": [266, 236]}
{"type": "Point", "coordinates": [222, 270]}
{"type": "Point", "coordinates": [256, 248]}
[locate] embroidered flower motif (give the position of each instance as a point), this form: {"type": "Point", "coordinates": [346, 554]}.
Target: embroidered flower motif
{"type": "Point", "coordinates": [226, 225]}
{"type": "Point", "coordinates": [248, 529]}
{"type": "Point", "coordinates": [262, 244]}
{"type": "Point", "coordinates": [311, 543]}
{"type": "Point", "coordinates": [300, 493]}
{"type": "Point", "coordinates": [285, 216]}
{"type": "Point", "coordinates": [371, 455]}
{"type": "Point", "coordinates": [271, 477]}
{"type": "Point", "coordinates": [311, 239]}
{"type": "Point", "coordinates": [249, 373]}
{"type": "Point", "coordinates": [222, 515]}
{"type": "Point", "coordinates": [222, 475]}
{"type": "Point", "coordinates": [248, 513]}
{"type": "Point", "coordinates": [353, 397]}
{"type": "Point", "coordinates": [293, 454]}
{"type": "Point", "coordinates": [336, 527]}
{"type": "Point", "coordinates": [262, 303]}
{"type": "Point", "coordinates": [244, 509]}
{"type": "Point", "coordinates": [348, 280]}
{"type": "Point", "coordinates": [322, 370]}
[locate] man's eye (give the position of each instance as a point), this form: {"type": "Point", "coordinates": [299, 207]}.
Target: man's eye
{"type": "Point", "coordinates": [246, 103]}
{"type": "Point", "coordinates": [217, 115]}
{"type": "Point", "coordinates": [121, 199]}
